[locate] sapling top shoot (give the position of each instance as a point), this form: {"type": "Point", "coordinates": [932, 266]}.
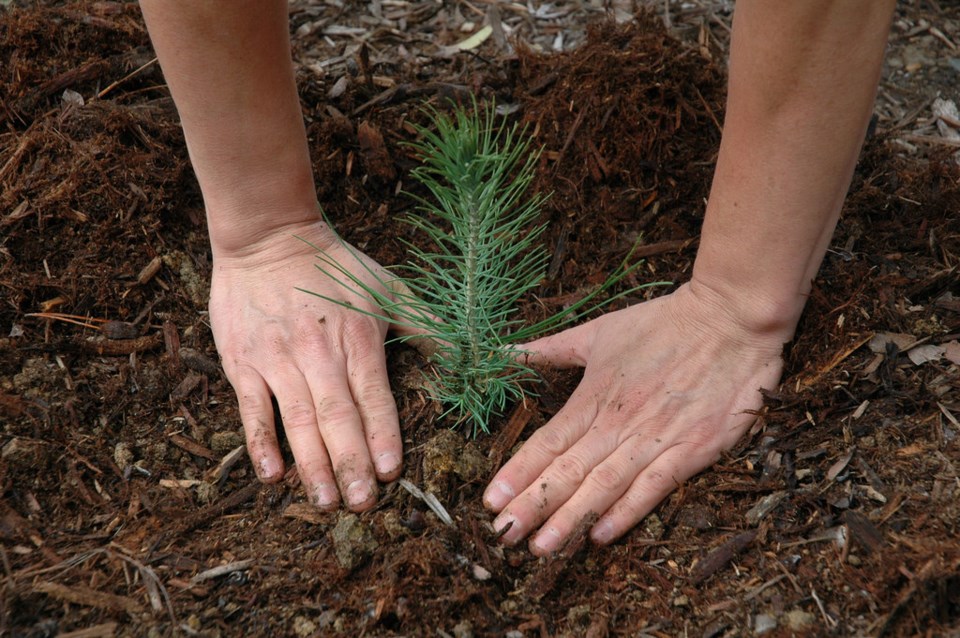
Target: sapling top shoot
{"type": "Point", "coordinates": [484, 257]}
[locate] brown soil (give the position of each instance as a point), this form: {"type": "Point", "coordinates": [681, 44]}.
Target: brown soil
{"type": "Point", "coordinates": [119, 484]}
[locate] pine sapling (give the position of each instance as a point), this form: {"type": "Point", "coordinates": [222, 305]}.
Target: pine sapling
{"type": "Point", "coordinates": [463, 292]}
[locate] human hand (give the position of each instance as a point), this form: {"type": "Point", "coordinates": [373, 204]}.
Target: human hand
{"type": "Point", "coordinates": [668, 384]}
{"type": "Point", "coordinates": [325, 365]}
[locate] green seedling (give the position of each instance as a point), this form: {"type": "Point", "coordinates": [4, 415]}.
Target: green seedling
{"type": "Point", "coordinates": [485, 257]}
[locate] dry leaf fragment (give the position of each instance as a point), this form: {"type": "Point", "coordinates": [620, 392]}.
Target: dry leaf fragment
{"type": "Point", "coordinates": [925, 353]}
{"type": "Point", "coordinates": [838, 467]}
{"type": "Point", "coordinates": [879, 342]}
{"type": "Point", "coordinates": [951, 350]}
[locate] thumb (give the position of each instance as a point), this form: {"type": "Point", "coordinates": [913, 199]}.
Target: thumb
{"type": "Point", "coordinates": [567, 349]}
{"type": "Point", "coordinates": [420, 338]}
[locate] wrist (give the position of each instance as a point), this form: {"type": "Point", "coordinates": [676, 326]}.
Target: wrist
{"type": "Point", "coordinates": [755, 310]}
{"type": "Point", "coordinates": [241, 214]}
{"type": "Point", "coordinates": [272, 238]}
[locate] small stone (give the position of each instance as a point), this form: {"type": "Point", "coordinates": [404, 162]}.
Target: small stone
{"type": "Point", "coordinates": [122, 455]}
{"type": "Point", "coordinates": [681, 601]}
{"type": "Point", "coordinates": [352, 541]}
{"type": "Point", "coordinates": [207, 492]}
{"type": "Point", "coordinates": [513, 633]}
{"type": "Point", "coordinates": [481, 573]}
{"type": "Point", "coordinates": [764, 623]}
{"type": "Point", "coordinates": [326, 619]}
{"type": "Point", "coordinates": [21, 453]}
{"type": "Point", "coordinates": [463, 629]}
{"type": "Point", "coordinates": [854, 560]}
{"type": "Point", "coordinates": [653, 526]}
{"type": "Point", "coordinates": [579, 615]}
{"type": "Point", "coordinates": [798, 619]}
{"type": "Point", "coordinates": [303, 626]}
{"type": "Point", "coordinates": [223, 442]}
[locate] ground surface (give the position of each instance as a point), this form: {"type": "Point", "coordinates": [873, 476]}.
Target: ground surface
{"type": "Point", "coordinates": [121, 484]}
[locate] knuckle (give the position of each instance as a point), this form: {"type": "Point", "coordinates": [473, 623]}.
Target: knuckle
{"type": "Point", "coordinates": [361, 336]}
{"type": "Point", "coordinates": [336, 411]}
{"type": "Point", "coordinates": [550, 440]}
{"type": "Point", "coordinates": [607, 477]}
{"type": "Point", "coordinates": [570, 469]}
{"type": "Point", "coordinates": [298, 416]}
{"type": "Point", "coordinates": [252, 405]}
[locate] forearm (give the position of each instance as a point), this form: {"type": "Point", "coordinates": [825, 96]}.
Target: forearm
{"type": "Point", "coordinates": [803, 78]}
{"type": "Point", "coordinates": [228, 66]}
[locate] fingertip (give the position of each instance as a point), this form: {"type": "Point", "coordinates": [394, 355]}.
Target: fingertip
{"type": "Point", "coordinates": [326, 497]}
{"type": "Point", "coordinates": [360, 495]}
{"type": "Point", "coordinates": [269, 467]}
{"type": "Point", "coordinates": [387, 466]}
{"type": "Point", "coordinates": [604, 532]}
{"type": "Point", "coordinates": [497, 495]}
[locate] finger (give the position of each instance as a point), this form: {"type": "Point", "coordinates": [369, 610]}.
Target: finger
{"type": "Point", "coordinates": [651, 486]}
{"type": "Point", "coordinates": [340, 425]}
{"type": "Point", "coordinates": [541, 449]}
{"type": "Point", "coordinates": [370, 388]}
{"type": "Point", "coordinates": [256, 415]}
{"type": "Point", "coordinates": [603, 486]}
{"type": "Point", "coordinates": [567, 349]}
{"type": "Point", "coordinates": [309, 451]}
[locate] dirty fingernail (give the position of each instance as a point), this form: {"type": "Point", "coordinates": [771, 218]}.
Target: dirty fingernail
{"type": "Point", "coordinates": [325, 496]}
{"type": "Point", "coordinates": [268, 468]}
{"type": "Point", "coordinates": [359, 492]}
{"type": "Point", "coordinates": [387, 463]}
{"type": "Point", "coordinates": [498, 495]}
{"type": "Point", "coordinates": [547, 541]}
{"type": "Point", "coordinates": [602, 532]}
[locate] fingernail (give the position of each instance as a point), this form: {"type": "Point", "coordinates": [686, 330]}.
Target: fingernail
{"type": "Point", "coordinates": [547, 541]}
{"type": "Point", "coordinates": [325, 495]}
{"type": "Point", "coordinates": [268, 468]}
{"type": "Point", "coordinates": [602, 532]}
{"type": "Point", "coordinates": [498, 495]}
{"type": "Point", "coordinates": [387, 463]}
{"type": "Point", "coordinates": [509, 536]}
{"type": "Point", "coordinates": [359, 492]}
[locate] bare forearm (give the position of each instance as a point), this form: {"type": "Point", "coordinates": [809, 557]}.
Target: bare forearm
{"type": "Point", "coordinates": [228, 66]}
{"type": "Point", "coordinates": [803, 78]}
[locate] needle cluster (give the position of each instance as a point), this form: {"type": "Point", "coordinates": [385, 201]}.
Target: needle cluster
{"type": "Point", "coordinates": [484, 258]}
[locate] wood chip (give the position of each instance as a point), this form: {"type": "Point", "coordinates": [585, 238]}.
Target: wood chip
{"type": "Point", "coordinates": [719, 557]}
{"type": "Point", "coordinates": [222, 570]}
{"type": "Point", "coordinates": [191, 446]}
{"type": "Point", "coordinates": [87, 597]}
{"type": "Point", "coordinates": [861, 530]}
{"type": "Point", "coordinates": [105, 630]}
{"type": "Point", "coordinates": [306, 512]}
{"type": "Point", "coordinates": [544, 579]}
{"type": "Point", "coordinates": [839, 465]}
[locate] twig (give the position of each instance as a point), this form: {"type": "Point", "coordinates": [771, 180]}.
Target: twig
{"type": "Point", "coordinates": [114, 85]}
{"type": "Point", "coordinates": [221, 570]}
{"type": "Point", "coordinates": [827, 618]}
{"type": "Point", "coordinates": [429, 499]}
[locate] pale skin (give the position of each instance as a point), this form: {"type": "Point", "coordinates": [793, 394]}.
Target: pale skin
{"type": "Point", "coordinates": [668, 384]}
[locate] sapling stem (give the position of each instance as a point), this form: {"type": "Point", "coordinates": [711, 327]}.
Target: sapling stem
{"type": "Point", "coordinates": [485, 256]}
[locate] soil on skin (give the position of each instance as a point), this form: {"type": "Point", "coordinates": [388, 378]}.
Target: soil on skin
{"type": "Point", "coordinates": [119, 489]}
